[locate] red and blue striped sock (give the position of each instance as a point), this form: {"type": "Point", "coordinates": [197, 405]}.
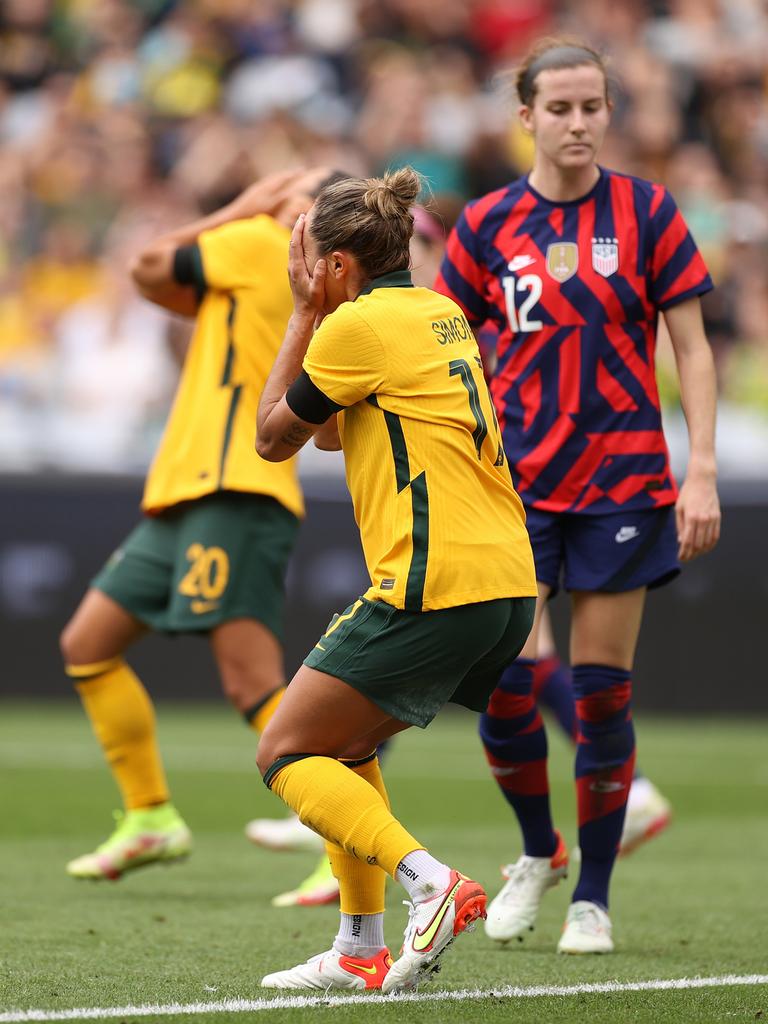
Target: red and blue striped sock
{"type": "Point", "coordinates": [552, 688]}
{"type": "Point", "coordinates": [516, 747]}
{"type": "Point", "coordinates": [605, 761]}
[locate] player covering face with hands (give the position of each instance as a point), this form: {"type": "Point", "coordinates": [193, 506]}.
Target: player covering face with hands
{"type": "Point", "coordinates": [452, 585]}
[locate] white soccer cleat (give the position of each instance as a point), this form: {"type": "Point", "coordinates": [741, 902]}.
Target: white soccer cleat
{"type": "Point", "coordinates": [587, 930]}
{"type": "Point", "coordinates": [333, 970]}
{"type": "Point", "coordinates": [648, 814]}
{"type": "Point", "coordinates": [432, 926]}
{"type": "Point", "coordinates": [283, 834]}
{"type": "Point", "coordinates": [514, 911]}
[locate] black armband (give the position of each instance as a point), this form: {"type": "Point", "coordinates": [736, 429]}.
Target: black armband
{"type": "Point", "coordinates": [308, 402]}
{"type": "Point", "coordinates": [188, 268]}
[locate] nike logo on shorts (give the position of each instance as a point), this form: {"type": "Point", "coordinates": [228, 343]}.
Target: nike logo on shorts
{"type": "Point", "coordinates": [627, 533]}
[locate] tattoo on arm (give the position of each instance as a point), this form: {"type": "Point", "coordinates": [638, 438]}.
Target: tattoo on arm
{"type": "Point", "coordinates": [296, 436]}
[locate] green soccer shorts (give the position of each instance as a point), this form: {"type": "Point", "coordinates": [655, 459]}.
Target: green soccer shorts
{"type": "Point", "coordinates": [412, 663]}
{"type": "Point", "coordinates": [203, 563]}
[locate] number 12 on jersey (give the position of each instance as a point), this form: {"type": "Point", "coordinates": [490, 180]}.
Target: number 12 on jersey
{"type": "Point", "coordinates": [518, 307]}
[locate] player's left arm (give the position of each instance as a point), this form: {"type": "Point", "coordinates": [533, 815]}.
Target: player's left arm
{"type": "Point", "coordinates": [698, 507]}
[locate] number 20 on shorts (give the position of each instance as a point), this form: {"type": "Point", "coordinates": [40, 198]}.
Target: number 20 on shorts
{"type": "Point", "coordinates": [208, 574]}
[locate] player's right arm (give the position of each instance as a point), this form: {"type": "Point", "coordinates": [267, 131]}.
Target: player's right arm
{"type": "Point", "coordinates": [165, 270]}
{"type": "Point", "coordinates": [327, 436]}
{"type": "Point", "coordinates": [316, 373]}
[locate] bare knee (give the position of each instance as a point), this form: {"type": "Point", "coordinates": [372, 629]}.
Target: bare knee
{"type": "Point", "coordinates": [68, 645]}
{"type": "Point", "coordinates": [263, 760]}
{"type": "Point", "coordinates": [359, 749]}
{"type": "Point", "coordinates": [267, 751]}
{"type": "Point", "coordinates": [273, 744]}
{"type": "Point", "coordinates": [280, 739]}
{"type": "Point", "coordinates": [78, 646]}
{"type": "Point", "coordinates": [244, 683]}
{"type": "Point", "coordinates": [249, 660]}
{"type": "Point", "coordinates": [100, 629]}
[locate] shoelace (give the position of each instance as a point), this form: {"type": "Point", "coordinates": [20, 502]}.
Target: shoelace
{"type": "Point", "coordinates": [589, 917]}
{"type": "Point", "coordinates": [514, 873]}
{"type": "Point", "coordinates": [411, 915]}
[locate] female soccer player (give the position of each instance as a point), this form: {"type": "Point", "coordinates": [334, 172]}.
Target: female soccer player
{"type": "Point", "coordinates": [445, 544]}
{"type": "Point", "coordinates": [320, 887]}
{"type": "Point", "coordinates": [574, 264]}
{"type": "Point", "coordinates": [211, 553]}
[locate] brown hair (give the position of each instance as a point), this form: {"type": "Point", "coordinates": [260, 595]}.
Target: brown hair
{"type": "Point", "coordinates": [554, 53]}
{"type": "Point", "coordinates": [369, 217]}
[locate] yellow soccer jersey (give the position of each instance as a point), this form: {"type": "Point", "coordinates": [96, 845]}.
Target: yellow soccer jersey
{"type": "Point", "coordinates": [440, 522]}
{"type": "Point", "coordinates": [208, 444]}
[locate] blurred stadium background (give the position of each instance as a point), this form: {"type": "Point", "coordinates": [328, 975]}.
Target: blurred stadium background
{"type": "Point", "coordinates": [121, 118]}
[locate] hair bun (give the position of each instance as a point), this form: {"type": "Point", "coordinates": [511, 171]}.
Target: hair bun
{"type": "Point", "coordinates": [393, 195]}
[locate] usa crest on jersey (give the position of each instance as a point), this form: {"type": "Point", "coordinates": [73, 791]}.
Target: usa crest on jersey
{"type": "Point", "coordinates": [605, 255]}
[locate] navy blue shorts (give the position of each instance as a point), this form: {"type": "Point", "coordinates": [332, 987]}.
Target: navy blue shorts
{"type": "Point", "coordinates": [612, 553]}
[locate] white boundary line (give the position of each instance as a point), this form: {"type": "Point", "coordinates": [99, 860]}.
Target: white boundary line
{"type": "Point", "coordinates": [323, 1001]}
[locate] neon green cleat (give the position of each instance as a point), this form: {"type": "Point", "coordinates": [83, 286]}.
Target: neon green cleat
{"type": "Point", "coordinates": [321, 887]}
{"type": "Point", "coordinates": [151, 835]}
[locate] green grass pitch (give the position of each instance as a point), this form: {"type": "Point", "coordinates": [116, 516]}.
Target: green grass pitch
{"type": "Point", "coordinates": [694, 902]}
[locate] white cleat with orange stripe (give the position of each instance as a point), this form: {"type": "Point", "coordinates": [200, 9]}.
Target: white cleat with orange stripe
{"type": "Point", "coordinates": [433, 924]}
{"type": "Point", "coordinates": [514, 911]}
{"type": "Point", "coordinates": [333, 970]}
{"type": "Point", "coordinates": [648, 814]}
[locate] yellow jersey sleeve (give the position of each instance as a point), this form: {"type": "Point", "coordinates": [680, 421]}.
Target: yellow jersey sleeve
{"type": "Point", "coordinates": [346, 359]}
{"type": "Point", "coordinates": [231, 253]}
{"type": "Point", "coordinates": [207, 444]}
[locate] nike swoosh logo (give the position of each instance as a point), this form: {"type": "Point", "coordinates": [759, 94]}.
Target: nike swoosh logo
{"type": "Point", "coordinates": [200, 607]}
{"type": "Point", "coordinates": [422, 940]}
{"type": "Point", "coordinates": [519, 262]}
{"type": "Point", "coordinates": [359, 967]}
{"type": "Point", "coordinates": [320, 646]}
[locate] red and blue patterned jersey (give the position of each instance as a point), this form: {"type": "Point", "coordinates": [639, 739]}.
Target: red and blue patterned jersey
{"type": "Point", "coordinates": [574, 290]}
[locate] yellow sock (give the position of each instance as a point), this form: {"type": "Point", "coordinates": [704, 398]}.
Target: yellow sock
{"type": "Point", "coordinates": [258, 716]}
{"type": "Point", "coordinates": [123, 719]}
{"type": "Point", "coordinates": [361, 885]}
{"type": "Point", "coordinates": [343, 808]}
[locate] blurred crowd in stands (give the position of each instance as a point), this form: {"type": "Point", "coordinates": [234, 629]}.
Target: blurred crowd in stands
{"type": "Point", "coordinates": [120, 118]}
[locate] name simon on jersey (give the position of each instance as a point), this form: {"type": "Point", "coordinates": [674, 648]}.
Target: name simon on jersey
{"type": "Point", "coordinates": [452, 330]}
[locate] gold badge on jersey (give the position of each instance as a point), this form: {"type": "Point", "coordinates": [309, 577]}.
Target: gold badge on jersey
{"type": "Point", "coordinates": [562, 260]}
